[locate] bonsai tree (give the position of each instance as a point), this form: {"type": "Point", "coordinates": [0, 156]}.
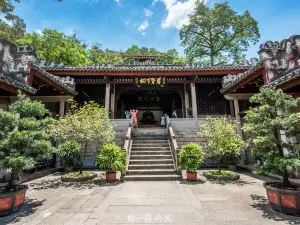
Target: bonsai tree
{"type": "Point", "coordinates": [222, 138]}
{"type": "Point", "coordinates": [69, 150]}
{"type": "Point", "coordinates": [23, 137]}
{"type": "Point", "coordinates": [84, 124]}
{"type": "Point", "coordinates": [112, 159]}
{"type": "Point", "coordinates": [266, 123]}
{"type": "Point", "coordinates": [191, 156]}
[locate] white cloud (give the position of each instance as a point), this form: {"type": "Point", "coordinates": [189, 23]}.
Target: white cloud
{"type": "Point", "coordinates": [38, 31]}
{"type": "Point", "coordinates": [154, 2]}
{"type": "Point", "coordinates": [177, 12]}
{"type": "Point", "coordinates": [148, 12]}
{"type": "Point", "coordinates": [143, 33]}
{"type": "Point", "coordinates": [69, 31]}
{"type": "Point", "coordinates": [118, 2]}
{"type": "Point", "coordinates": [127, 23]}
{"type": "Point", "coordinates": [143, 26]}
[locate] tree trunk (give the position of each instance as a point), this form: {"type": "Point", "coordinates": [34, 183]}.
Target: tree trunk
{"type": "Point", "coordinates": [211, 60]}
{"type": "Point", "coordinates": [285, 177]}
{"type": "Point", "coordinates": [10, 183]}
{"type": "Point", "coordinates": [83, 158]}
{"type": "Point", "coordinates": [219, 165]}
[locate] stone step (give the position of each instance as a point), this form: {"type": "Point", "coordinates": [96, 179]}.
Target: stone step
{"type": "Point", "coordinates": [150, 161]}
{"type": "Point", "coordinates": [136, 152]}
{"type": "Point", "coordinates": [145, 144]}
{"type": "Point", "coordinates": [150, 141]}
{"type": "Point", "coordinates": [137, 157]}
{"type": "Point", "coordinates": [151, 148]}
{"type": "Point", "coordinates": [152, 177]}
{"type": "Point", "coordinates": [150, 166]}
{"type": "Point", "coordinates": [150, 137]}
{"type": "Point", "coordinates": [151, 172]}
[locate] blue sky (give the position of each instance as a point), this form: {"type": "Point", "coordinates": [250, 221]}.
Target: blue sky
{"type": "Point", "coordinates": [117, 24]}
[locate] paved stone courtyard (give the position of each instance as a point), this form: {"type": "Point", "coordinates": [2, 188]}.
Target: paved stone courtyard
{"type": "Point", "coordinates": [171, 202]}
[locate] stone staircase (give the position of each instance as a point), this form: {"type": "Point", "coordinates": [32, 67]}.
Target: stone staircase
{"type": "Point", "coordinates": [151, 157]}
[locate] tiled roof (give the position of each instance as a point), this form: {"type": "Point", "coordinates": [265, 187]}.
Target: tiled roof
{"type": "Point", "coordinates": [11, 82]}
{"type": "Point", "coordinates": [55, 79]}
{"type": "Point", "coordinates": [242, 76]}
{"type": "Point", "coordinates": [140, 67]}
{"type": "Point", "coordinates": [284, 78]}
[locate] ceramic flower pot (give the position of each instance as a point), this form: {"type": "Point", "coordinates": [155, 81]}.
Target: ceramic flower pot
{"type": "Point", "coordinates": [191, 176]}
{"type": "Point", "coordinates": [111, 176]}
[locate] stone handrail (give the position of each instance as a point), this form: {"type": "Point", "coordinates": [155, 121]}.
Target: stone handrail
{"type": "Point", "coordinates": [174, 146]}
{"type": "Point", "coordinates": [127, 145]}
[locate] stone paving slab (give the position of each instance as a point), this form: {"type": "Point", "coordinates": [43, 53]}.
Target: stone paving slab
{"type": "Point", "coordinates": [48, 201]}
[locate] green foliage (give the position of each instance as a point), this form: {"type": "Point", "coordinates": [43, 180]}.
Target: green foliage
{"type": "Point", "coordinates": [221, 173]}
{"type": "Point", "coordinates": [191, 156]}
{"type": "Point", "coordinates": [111, 158]}
{"type": "Point", "coordinates": [69, 150]}
{"type": "Point", "coordinates": [23, 136]}
{"type": "Point", "coordinates": [171, 56]}
{"type": "Point", "coordinates": [222, 138]}
{"type": "Point", "coordinates": [265, 123]}
{"type": "Point", "coordinates": [98, 56]}
{"type": "Point", "coordinates": [54, 46]}
{"type": "Point", "coordinates": [218, 33]}
{"type": "Point", "coordinates": [84, 124]}
{"type": "Point", "coordinates": [75, 174]}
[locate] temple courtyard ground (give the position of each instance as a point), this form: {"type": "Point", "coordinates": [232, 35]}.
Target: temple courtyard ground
{"type": "Point", "coordinates": [171, 202]}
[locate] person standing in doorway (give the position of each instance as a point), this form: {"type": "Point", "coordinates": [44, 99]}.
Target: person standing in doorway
{"type": "Point", "coordinates": [174, 114]}
{"type": "Point", "coordinates": [134, 113]}
{"type": "Point", "coordinates": [163, 121]}
{"type": "Point", "coordinates": [127, 114]}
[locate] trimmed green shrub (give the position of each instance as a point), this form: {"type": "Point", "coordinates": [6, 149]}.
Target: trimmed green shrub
{"type": "Point", "coordinates": [111, 158]}
{"type": "Point", "coordinates": [69, 150]}
{"type": "Point", "coordinates": [191, 156]}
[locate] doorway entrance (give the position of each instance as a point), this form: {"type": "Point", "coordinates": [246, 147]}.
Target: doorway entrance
{"type": "Point", "coordinates": [152, 104]}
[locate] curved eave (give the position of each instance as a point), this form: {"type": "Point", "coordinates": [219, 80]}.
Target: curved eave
{"type": "Point", "coordinates": [50, 78]}
{"type": "Point", "coordinates": [245, 78]}
{"type": "Point", "coordinates": [16, 84]}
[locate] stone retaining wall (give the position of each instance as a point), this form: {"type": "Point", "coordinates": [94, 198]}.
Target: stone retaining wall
{"type": "Point", "coordinates": [121, 127]}
{"type": "Point", "coordinates": [186, 132]}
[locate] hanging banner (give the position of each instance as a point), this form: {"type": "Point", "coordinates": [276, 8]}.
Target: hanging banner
{"type": "Point", "coordinates": [150, 81]}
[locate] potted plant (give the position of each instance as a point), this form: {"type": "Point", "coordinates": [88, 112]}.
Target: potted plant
{"type": "Point", "coordinates": [266, 124]}
{"type": "Point", "coordinates": [190, 111]}
{"type": "Point", "coordinates": [225, 144]}
{"type": "Point", "coordinates": [191, 156]}
{"type": "Point", "coordinates": [68, 150]}
{"type": "Point", "coordinates": [112, 159]}
{"type": "Point", "coordinates": [84, 124]}
{"type": "Point", "coordinates": [23, 141]}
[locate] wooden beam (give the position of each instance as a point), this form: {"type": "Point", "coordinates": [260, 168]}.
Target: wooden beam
{"type": "Point", "coordinates": [51, 98]}
{"type": "Point", "coordinates": [239, 96]}
{"type": "Point", "coordinates": [295, 81]}
{"type": "Point", "coordinates": [8, 88]}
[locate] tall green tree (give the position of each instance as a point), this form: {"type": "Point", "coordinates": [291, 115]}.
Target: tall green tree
{"type": "Point", "coordinates": [266, 123]}
{"type": "Point", "coordinates": [222, 138]}
{"type": "Point", "coordinates": [84, 124]}
{"type": "Point", "coordinates": [218, 33]}
{"type": "Point", "coordinates": [54, 46]}
{"type": "Point", "coordinates": [96, 55]}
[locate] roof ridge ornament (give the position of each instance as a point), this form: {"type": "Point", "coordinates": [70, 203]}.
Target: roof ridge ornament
{"type": "Point", "coordinates": [281, 57]}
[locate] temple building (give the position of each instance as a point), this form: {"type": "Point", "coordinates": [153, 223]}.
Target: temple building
{"type": "Point", "coordinates": [193, 91]}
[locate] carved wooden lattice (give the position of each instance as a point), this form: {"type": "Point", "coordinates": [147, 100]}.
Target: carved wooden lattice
{"type": "Point", "coordinates": [91, 92]}
{"type": "Point", "coordinates": [209, 100]}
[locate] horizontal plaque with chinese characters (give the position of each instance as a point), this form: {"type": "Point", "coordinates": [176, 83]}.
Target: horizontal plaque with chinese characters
{"type": "Point", "coordinates": [150, 80]}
